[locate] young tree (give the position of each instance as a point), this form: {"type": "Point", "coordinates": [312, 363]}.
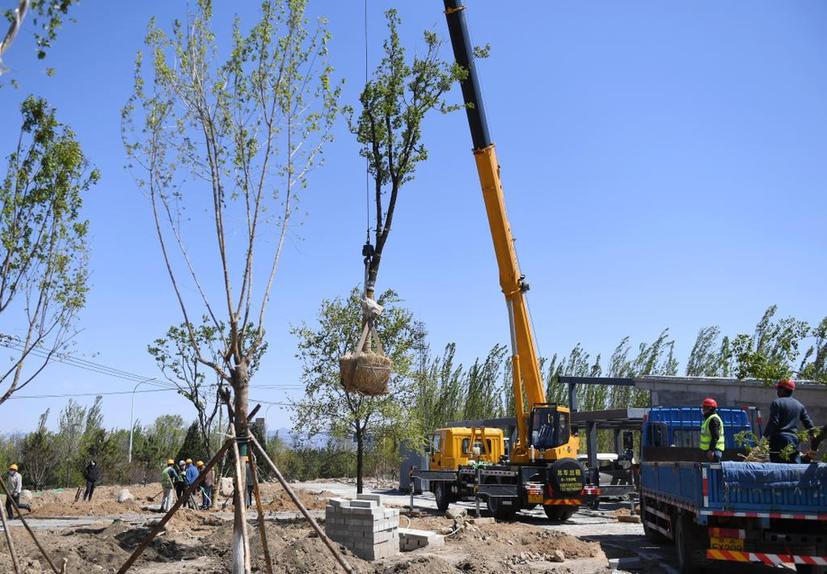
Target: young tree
{"type": "Point", "coordinates": [482, 391]}
{"type": "Point", "coordinates": [179, 363]}
{"type": "Point", "coordinates": [705, 359]}
{"type": "Point", "coordinates": [814, 363]}
{"type": "Point", "coordinates": [771, 351]}
{"type": "Point", "coordinates": [193, 446]}
{"type": "Point", "coordinates": [235, 139]}
{"type": "Point", "coordinates": [162, 440]}
{"type": "Point", "coordinates": [40, 452]}
{"type": "Point", "coordinates": [70, 434]}
{"type": "Point", "coordinates": [43, 252]}
{"type": "Point", "coordinates": [389, 126]}
{"type": "Point", "coordinates": [327, 406]}
{"type": "Point", "coordinates": [440, 393]}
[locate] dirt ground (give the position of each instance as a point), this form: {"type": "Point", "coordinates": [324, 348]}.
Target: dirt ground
{"type": "Point", "coordinates": [60, 503]}
{"type": "Point", "coordinates": [200, 541]}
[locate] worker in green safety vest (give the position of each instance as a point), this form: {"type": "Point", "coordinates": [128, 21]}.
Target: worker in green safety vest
{"type": "Point", "coordinates": [712, 431]}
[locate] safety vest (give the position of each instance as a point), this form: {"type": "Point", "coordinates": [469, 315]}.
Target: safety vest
{"type": "Point", "coordinates": [706, 436]}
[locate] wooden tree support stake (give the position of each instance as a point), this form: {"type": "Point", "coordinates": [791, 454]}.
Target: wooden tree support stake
{"type": "Point", "coordinates": [240, 500]}
{"type": "Point", "coordinates": [260, 509]}
{"type": "Point", "coordinates": [335, 551]}
{"type": "Point", "coordinates": [28, 529]}
{"type": "Point", "coordinates": [186, 496]}
{"type": "Point", "coordinates": [9, 540]}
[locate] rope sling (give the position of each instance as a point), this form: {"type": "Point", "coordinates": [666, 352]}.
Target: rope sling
{"type": "Point", "coordinates": [367, 369]}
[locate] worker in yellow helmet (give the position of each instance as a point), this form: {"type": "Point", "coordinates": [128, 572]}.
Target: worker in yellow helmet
{"type": "Point", "coordinates": [169, 477]}
{"type": "Point", "coordinates": [14, 486]}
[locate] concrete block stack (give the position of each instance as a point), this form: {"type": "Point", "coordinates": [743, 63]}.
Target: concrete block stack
{"type": "Point", "coordinates": [363, 526]}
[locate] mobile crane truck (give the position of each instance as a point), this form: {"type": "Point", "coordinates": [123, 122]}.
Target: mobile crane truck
{"type": "Point", "coordinates": [541, 465]}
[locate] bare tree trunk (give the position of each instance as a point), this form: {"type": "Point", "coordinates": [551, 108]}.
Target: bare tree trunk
{"type": "Point", "coordinates": [241, 551]}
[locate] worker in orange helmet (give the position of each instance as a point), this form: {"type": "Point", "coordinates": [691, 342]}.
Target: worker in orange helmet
{"type": "Point", "coordinates": [782, 427]}
{"type": "Point", "coordinates": [712, 431]}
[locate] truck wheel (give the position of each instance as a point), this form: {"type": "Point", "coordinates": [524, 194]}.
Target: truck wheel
{"type": "Point", "coordinates": [502, 511]}
{"type": "Point", "coordinates": [442, 496]}
{"type": "Point", "coordinates": [688, 542]}
{"type": "Point", "coordinates": [559, 513]}
{"type": "Point", "coordinates": [650, 533]}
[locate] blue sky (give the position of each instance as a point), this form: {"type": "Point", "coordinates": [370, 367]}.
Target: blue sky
{"type": "Point", "coordinates": [664, 166]}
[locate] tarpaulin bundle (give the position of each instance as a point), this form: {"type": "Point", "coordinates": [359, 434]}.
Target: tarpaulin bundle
{"type": "Point", "coordinates": [367, 370]}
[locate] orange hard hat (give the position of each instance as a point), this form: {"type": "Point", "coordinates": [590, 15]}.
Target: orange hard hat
{"type": "Point", "coordinates": [710, 402]}
{"type": "Point", "coordinates": [788, 384]}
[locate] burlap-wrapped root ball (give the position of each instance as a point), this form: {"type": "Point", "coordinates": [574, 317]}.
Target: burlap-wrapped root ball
{"type": "Point", "coordinates": [367, 373]}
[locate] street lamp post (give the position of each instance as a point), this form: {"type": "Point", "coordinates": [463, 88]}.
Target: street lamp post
{"type": "Point", "coordinates": [132, 417]}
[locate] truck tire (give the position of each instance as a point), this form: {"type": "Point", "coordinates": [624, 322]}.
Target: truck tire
{"type": "Point", "coordinates": [559, 513]}
{"type": "Point", "coordinates": [442, 495]}
{"type": "Point", "coordinates": [688, 542]}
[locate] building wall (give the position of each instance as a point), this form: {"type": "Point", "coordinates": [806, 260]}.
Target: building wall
{"type": "Point", "coordinates": [684, 391]}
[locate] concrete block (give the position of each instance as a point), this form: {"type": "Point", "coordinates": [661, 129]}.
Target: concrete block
{"type": "Point", "coordinates": [411, 539]}
{"type": "Point", "coordinates": [363, 504]}
{"type": "Point", "coordinates": [337, 502]}
{"type": "Point", "coordinates": [374, 497]}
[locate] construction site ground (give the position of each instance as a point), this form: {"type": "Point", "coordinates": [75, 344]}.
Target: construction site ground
{"type": "Point", "coordinates": [99, 536]}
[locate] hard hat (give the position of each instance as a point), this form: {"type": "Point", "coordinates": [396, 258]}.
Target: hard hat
{"type": "Point", "coordinates": [199, 463]}
{"type": "Point", "coordinates": [180, 462]}
{"type": "Point", "coordinates": [710, 402]}
{"type": "Point", "coordinates": [12, 467]}
{"type": "Point", "coordinates": [189, 461]}
{"type": "Point", "coordinates": [788, 384]}
{"type": "Point", "coordinates": [170, 461]}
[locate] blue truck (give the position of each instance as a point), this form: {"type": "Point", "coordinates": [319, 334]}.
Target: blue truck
{"type": "Point", "coordinates": [732, 510]}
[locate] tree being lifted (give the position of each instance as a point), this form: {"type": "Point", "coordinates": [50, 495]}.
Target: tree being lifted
{"type": "Point", "coordinates": [389, 130]}
{"type": "Point", "coordinates": [247, 130]}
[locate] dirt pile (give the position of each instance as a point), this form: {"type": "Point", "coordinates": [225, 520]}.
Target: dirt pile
{"type": "Point", "coordinates": [201, 541]}
{"type": "Point", "coordinates": [275, 499]}
{"type": "Point", "coordinates": [61, 502]}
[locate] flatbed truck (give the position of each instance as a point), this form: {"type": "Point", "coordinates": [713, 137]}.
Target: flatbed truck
{"type": "Point", "coordinates": [753, 512]}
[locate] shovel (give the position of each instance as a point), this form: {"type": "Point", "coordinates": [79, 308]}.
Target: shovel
{"type": "Point", "coordinates": [154, 496]}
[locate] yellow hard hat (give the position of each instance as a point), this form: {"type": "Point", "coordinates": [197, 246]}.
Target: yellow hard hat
{"type": "Point", "coordinates": [170, 461]}
{"type": "Point", "coordinates": [189, 461]}
{"type": "Point", "coordinates": [12, 467]}
{"type": "Point", "coordinates": [199, 463]}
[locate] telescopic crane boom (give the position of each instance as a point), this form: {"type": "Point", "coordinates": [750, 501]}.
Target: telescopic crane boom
{"type": "Point", "coordinates": [527, 379]}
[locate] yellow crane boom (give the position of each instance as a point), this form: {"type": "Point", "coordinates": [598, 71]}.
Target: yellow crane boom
{"type": "Point", "coordinates": [527, 378]}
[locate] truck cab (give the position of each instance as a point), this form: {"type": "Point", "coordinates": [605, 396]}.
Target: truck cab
{"type": "Point", "coordinates": [454, 447]}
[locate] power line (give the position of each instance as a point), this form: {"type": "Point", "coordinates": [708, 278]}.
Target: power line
{"type": "Point", "coordinates": [103, 394]}
{"type": "Point", "coordinates": [79, 363]}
